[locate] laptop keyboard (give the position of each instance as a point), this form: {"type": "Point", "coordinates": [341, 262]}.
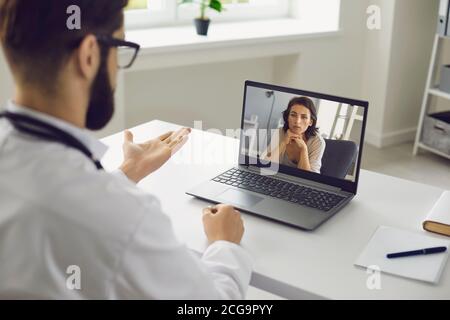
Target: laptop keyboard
{"type": "Point", "coordinates": [294, 193]}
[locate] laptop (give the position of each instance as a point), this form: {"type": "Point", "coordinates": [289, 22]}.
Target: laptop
{"type": "Point", "coordinates": [299, 156]}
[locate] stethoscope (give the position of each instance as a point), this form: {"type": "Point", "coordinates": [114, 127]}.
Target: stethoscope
{"type": "Point", "coordinates": [45, 131]}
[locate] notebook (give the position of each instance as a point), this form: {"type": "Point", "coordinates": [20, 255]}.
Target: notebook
{"type": "Point", "coordinates": [438, 220]}
{"type": "Point", "coordinates": [389, 240]}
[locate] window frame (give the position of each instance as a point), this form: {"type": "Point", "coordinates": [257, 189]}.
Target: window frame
{"type": "Point", "coordinates": [175, 15]}
{"type": "Point", "coordinates": [242, 12]}
{"type": "Point", "coordinates": [144, 18]}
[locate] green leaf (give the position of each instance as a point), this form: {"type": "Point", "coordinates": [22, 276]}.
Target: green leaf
{"type": "Point", "coordinates": [216, 5]}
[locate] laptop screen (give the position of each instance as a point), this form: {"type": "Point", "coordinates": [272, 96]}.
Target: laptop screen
{"type": "Point", "coordinates": [302, 133]}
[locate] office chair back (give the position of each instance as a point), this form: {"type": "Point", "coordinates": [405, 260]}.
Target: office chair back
{"type": "Point", "coordinates": [338, 158]}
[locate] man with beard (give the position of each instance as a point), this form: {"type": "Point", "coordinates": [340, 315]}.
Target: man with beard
{"type": "Point", "coordinates": [68, 229]}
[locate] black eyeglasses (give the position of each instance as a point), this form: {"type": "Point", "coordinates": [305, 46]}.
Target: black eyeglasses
{"type": "Point", "coordinates": [128, 51]}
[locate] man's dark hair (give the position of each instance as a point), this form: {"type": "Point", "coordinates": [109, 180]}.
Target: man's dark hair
{"type": "Point", "coordinates": [308, 104]}
{"type": "Point", "coordinates": [37, 41]}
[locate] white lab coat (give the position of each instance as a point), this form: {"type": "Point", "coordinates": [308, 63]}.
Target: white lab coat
{"type": "Point", "coordinates": [58, 211]}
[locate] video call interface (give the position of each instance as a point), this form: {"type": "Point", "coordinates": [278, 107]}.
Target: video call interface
{"type": "Point", "coordinates": [306, 133]}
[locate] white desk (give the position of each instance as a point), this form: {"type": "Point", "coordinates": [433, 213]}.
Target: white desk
{"type": "Point", "coordinates": [289, 262]}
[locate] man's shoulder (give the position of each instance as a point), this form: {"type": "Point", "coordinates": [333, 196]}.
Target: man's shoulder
{"type": "Point", "coordinates": [64, 180]}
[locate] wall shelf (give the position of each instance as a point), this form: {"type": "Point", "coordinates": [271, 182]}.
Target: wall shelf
{"type": "Point", "coordinates": [439, 93]}
{"type": "Point", "coordinates": [431, 90]}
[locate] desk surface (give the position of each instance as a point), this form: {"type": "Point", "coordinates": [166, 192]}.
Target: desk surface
{"type": "Point", "coordinates": [290, 262]}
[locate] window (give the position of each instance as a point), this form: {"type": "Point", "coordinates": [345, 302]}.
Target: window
{"type": "Point", "coordinates": [325, 12]}
{"type": "Point", "coordinates": [147, 13]}
{"type": "Point", "coordinates": [241, 10]}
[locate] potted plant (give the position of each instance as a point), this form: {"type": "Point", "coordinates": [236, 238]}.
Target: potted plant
{"type": "Point", "coordinates": [202, 22]}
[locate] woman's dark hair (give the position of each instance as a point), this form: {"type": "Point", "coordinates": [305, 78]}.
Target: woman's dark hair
{"type": "Point", "coordinates": [308, 104]}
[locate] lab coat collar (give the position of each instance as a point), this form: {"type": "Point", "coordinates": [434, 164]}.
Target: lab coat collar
{"type": "Point", "coordinates": [97, 148]}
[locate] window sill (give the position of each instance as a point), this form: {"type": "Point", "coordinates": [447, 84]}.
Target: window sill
{"type": "Point", "coordinates": [180, 45]}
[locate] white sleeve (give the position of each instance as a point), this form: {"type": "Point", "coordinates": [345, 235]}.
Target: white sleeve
{"type": "Point", "coordinates": [119, 174]}
{"type": "Point", "coordinates": [155, 265]}
{"type": "Point", "coordinates": [315, 154]}
{"type": "Point", "coordinates": [225, 261]}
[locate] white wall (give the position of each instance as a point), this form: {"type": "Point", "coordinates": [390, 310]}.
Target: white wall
{"type": "Point", "coordinates": [213, 92]}
{"type": "Point", "coordinates": [375, 71]}
{"type": "Point", "coordinates": [331, 65]}
{"type": "Point", "coordinates": [388, 67]}
{"type": "Point", "coordinates": [395, 68]}
{"type": "Point", "coordinates": [413, 34]}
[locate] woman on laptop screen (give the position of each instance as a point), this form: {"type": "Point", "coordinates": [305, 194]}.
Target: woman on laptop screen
{"type": "Point", "coordinates": [300, 144]}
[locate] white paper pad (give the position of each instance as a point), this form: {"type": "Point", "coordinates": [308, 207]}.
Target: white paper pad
{"type": "Point", "coordinates": [389, 240]}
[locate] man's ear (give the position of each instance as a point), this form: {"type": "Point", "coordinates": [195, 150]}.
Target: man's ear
{"type": "Point", "coordinates": [88, 57]}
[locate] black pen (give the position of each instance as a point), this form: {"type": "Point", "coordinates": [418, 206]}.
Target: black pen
{"type": "Point", "coordinates": [416, 252]}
